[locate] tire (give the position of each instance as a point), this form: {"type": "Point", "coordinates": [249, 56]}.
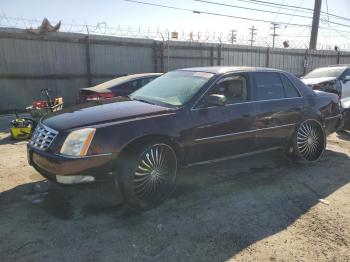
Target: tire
{"type": "Point", "coordinates": [147, 174]}
{"type": "Point", "coordinates": [308, 142]}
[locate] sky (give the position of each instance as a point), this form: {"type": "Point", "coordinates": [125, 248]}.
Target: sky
{"type": "Point", "coordinates": [125, 14]}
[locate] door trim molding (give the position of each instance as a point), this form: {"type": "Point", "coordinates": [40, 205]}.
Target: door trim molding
{"type": "Point", "coordinates": [240, 133]}
{"type": "Point", "coordinates": [233, 157]}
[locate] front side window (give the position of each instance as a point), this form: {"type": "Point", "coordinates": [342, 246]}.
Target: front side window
{"type": "Point", "coordinates": [268, 86]}
{"type": "Point", "coordinates": [174, 88]}
{"type": "Point", "coordinates": [234, 88]}
{"type": "Point", "coordinates": [346, 74]}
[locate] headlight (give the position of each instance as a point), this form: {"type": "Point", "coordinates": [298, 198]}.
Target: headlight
{"type": "Point", "coordinates": [78, 142]}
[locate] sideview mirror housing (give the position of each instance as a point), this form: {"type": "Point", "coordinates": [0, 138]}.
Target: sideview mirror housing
{"type": "Point", "coordinates": [346, 79]}
{"type": "Point", "coordinates": [216, 100]}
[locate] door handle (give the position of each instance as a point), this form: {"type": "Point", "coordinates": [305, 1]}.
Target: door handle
{"type": "Point", "coordinates": [246, 115]}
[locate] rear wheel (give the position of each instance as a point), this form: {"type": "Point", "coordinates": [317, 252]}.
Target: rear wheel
{"type": "Point", "coordinates": [147, 174]}
{"type": "Point", "coordinates": [309, 141]}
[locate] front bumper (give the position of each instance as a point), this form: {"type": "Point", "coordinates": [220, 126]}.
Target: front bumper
{"type": "Point", "coordinates": [346, 118]}
{"type": "Point", "coordinates": [333, 123]}
{"type": "Point", "coordinates": [70, 170]}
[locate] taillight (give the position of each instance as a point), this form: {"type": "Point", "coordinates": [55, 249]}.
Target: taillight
{"type": "Point", "coordinates": [98, 96]}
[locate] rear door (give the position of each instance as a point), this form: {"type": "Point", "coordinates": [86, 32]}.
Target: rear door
{"type": "Point", "coordinates": [279, 108]}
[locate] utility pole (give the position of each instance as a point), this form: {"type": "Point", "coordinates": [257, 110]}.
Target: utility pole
{"type": "Point", "coordinates": [274, 27]}
{"type": "Point", "coordinates": [233, 36]}
{"type": "Point", "coordinates": [315, 23]}
{"type": "Point", "coordinates": [252, 35]}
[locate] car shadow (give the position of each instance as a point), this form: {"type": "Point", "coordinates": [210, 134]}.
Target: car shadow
{"type": "Point", "coordinates": [217, 211]}
{"type": "Point", "coordinates": [344, 135]}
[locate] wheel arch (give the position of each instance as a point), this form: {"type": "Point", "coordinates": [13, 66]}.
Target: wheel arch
{"type": "Point", "coordinates": [145, 139]}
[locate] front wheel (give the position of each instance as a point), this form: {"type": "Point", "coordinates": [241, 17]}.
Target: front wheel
{"type": "Point", "coordinates": [308, 142]}
{"type": "Point", "coordinates": [147, 174]}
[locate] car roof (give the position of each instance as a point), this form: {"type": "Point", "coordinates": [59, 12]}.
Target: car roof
{"type": "Point", "coordinates": [118, 81]}
{"type": "Point", "coordinates": [227, 69]}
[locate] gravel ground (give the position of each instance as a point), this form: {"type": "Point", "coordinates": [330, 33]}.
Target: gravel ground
{"type": "Point", "coordinates": [259, 208]}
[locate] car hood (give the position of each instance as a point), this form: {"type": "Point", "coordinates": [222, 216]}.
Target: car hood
{"type": "Point", "coordinates": [318, 80]}
{"type": "Point", "coordinates": [100, 112]}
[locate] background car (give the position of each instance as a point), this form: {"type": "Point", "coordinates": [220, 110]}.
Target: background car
{"type": "Point", "coordinates": [184, 117]}
{"type": "Point", "coordinates": [333, 79]}
{"type": "Point", "coordinates": [120, 86]}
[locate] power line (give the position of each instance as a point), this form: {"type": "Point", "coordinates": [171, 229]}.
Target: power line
{"type": "Point", "coordinates": [291, 17]}
{"type": "Point", "coordinates": [265, 11]}
{"type": "Point", "coordinates": [211, 13]}
{"type": "Point", "coordinates": [279, 9]}
{"type": "Point", "coordinates": [284, 6]}
{"type": "Point", "coordinates": [272, 6]}
{"type": "Point", "coordinates": [248, 8]}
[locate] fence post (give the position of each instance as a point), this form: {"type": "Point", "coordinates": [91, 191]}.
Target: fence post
{"type": "Point", "coordinates": [161, 49]}
{"type": "Point", "coordinates": [306, 62]}
{"type": "Point", "coordinates": [155, 56]}
{"type": "Point", "coordinates": [88, 62]}
{"type": "Point", "coordinates": [219, 55]}
{"type": "Point", "coordinates": [267, 57]}
{"type": "Point", "coordinates": [211, 55]}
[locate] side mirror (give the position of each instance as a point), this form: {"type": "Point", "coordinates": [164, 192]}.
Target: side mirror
{"type": "Point", "coordinates": [216, 100]}
{"type": "Point", "coordinates": [346, 79]}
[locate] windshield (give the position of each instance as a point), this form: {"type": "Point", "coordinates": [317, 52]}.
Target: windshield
{"type": "Point", "coordinates": [325, 72]}
{"type": "Point", "coordinates": [174, 88]}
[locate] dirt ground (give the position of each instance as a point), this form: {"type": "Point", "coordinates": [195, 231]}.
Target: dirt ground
{"type": "Point", "coordinates": [260, 208]}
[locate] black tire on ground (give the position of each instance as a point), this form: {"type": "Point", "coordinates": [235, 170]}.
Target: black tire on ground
{"type": "Point", "coordinates": [147, 174]}
{"type": "Point", "coordinates": [308, 142]}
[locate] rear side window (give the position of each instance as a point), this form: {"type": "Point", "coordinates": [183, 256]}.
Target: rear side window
{"type": "Point", "coordinates": [289, 88]}
{"type": "Point", "coordinates": [268, 86]}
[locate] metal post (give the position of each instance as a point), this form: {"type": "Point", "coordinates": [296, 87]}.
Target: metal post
{"type": "Point", "coordinates": [211, 55]}
{"type": "Point", "coordinates": [161, 49]}
{"type": "Point", "coordinates": [87, 54]}
{"type": "Point", "coordinates": [315, 24]}
{"type": "Point", "coordinates": [252, 34]}
{"type": "Point", "coordinates": [219, 55]}
{"type": "Point", "coordinates": [267, 57]}
{"type": "Point", "coordinates": [155, 57]}
{"type": "Point", "coordinates": [274, 27]}
{"type": "Point", "coordinates": [306, 62]}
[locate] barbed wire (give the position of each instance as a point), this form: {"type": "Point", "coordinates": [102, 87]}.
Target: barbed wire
{"type": "Point", "coordinates": [102, 28]}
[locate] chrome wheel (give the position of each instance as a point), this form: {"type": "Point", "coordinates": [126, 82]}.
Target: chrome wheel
{"type": "Point", "coordinates": [310, 140]}
{"type": "Point", "coordinates": [155, 172]}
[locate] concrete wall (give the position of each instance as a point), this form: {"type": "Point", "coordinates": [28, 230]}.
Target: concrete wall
{"type": "Point", "coordinates": [66, 62]}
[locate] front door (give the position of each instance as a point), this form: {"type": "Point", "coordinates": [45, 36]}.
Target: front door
{"type": "Point", "coordinates": [221, 131]}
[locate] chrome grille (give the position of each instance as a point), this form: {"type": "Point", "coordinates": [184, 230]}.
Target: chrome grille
{"type": "Point", "coordinates": [43, 137]}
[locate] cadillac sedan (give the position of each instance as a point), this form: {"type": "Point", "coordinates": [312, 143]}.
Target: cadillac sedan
{"type": "Point", "coordinates": [184, 117]}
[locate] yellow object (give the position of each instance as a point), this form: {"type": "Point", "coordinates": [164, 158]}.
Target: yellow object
{"type": "Point", "coordinates": [21, 129]}
{"type": "Point", "coordinates": [58, 100]}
